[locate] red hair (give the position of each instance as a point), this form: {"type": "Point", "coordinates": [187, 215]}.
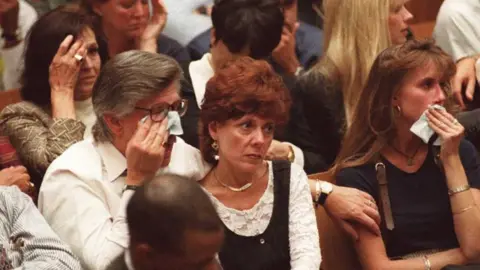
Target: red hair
{"type": "Point", "coordinates": [244, 86]}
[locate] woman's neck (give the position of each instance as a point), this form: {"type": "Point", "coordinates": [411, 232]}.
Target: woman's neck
{"type": "Point", "coordinates": [233, 177]}
{"type": "Point", "coordinates": [405, 141]}
{"type": "Point", "coordinates": [117, 41]}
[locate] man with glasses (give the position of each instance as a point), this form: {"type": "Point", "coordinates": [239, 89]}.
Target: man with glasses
{"type": "Point", "coordinates": [85, 190]}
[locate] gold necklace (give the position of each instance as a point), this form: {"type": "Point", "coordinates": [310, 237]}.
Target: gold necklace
{"type": "Point", "coordinates": [240, 189]}
{"type": "Point", "coordinates": [409, 158]}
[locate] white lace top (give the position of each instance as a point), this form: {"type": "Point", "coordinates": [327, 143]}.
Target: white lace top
{"type": "Point", "coordinates": [303, 232]}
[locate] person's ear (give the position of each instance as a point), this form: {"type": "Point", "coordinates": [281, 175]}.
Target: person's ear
{"type": "Point", "coordinates": [395, 101]}
{"type": "Point", "coordinates": [96, 7]}
{"type": "Point", "coordinates": [212, 37]}
{"type": "Point", "coordinates": [114, 124]}
{"type": "Point", "coordinates": [213, 130]}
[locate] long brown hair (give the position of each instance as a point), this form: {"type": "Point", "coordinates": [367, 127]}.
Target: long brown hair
{"type": "Point", "coordinates": [373, 122]}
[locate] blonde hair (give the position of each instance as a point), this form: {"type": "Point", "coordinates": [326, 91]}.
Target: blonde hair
{"type": "Point", "coordinates": [355, 32]}
{"type": "Point", "coordinates": [373, 124]}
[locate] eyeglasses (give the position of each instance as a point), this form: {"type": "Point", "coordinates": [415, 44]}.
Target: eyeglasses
{"type": "Point", "coordinates": [160, 111]}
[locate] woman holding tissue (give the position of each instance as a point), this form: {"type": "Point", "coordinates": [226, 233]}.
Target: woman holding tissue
{"type": "Point", "coordinates": [61, 66]}
{"type": "Point", "coordinates": [428, 195]}
{"type": "Point", "coordinates": [265, 206]}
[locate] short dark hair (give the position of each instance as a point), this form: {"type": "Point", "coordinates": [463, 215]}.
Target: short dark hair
{"type": "Point", "coordinates": [42, 43]}
{"type": "Point", "coordinates": [253, 24]}
{"type": "Point", "coordinates": [161, 211]}
{"type": "Point", "coordinates": [244, 86]}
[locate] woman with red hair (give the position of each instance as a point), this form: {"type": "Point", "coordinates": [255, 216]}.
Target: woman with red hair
{"type": "Point", "coordinates": [266, 206]}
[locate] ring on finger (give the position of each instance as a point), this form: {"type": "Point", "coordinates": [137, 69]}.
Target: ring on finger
{"type": "Point", "coordinates": [455, 121]}
{"type": "Point", "coordinates": [78, 57]}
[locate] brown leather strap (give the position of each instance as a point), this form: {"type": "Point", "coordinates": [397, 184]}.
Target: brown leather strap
{"type": "Point", "coordinates": [384, 196]}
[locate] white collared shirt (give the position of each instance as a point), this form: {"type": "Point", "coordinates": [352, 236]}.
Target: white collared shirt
{"type": "Point", "coordinates": [201, 71]}
{"type": "Point", "coordinates": [81, 197]}
{"type": "Point", "coordinates": [457, 30]}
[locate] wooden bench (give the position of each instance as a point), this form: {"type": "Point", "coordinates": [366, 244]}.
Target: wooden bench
{"type": "Point", "coordinates": [337, 249]}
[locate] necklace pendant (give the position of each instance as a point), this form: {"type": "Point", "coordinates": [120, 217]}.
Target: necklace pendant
{"type": "Point", "coordinates": [410, 162]}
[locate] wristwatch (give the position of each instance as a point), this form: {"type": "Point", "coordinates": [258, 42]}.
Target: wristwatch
{"type": "Point", "coordinates": [325, 189]}
{"type": "Point", "coordinates": [129, 187]}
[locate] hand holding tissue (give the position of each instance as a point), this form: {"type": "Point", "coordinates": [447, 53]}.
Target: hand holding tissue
{"type": "Point", "coordinates": [423, 130]}
{"type": "Point", "coordinates": [174, 125]}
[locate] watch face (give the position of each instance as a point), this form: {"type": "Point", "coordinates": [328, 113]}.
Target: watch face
{"type": "Point", "coordinates": [327, 188]}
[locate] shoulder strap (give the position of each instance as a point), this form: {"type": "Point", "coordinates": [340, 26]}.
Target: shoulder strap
{"type": "Point", "coordinates": [384, 195]}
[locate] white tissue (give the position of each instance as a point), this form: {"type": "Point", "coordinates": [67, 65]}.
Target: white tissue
{"type": "Point", "coordinates": [174, 125]}
{"type": "Point", "coordinates": [423, 130]}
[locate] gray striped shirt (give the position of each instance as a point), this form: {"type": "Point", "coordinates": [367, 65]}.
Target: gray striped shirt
{"type": "Point", "coordinates": [26, 240]}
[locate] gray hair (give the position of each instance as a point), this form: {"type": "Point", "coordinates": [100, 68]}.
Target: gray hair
{"type": "Point", "coordinates": [125, 80]}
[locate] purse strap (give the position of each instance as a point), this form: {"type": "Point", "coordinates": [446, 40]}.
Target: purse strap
{"type": "Point", "coordinates": [386, 207]}
{"type": "Point", "coordinates": [381, 173]}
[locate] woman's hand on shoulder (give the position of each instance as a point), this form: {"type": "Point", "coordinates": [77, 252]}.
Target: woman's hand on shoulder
{"type": "Point", "coordinates": [349, 206]}
{"type": "Point", "coordinates": [448, 129]}
{"type": "Point", "coordinates": [156, 24]}
{"type": "Point", "coordinates": [65, 67]}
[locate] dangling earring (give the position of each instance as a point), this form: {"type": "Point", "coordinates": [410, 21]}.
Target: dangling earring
{"type": "Point", "coordinates": [215, 147]}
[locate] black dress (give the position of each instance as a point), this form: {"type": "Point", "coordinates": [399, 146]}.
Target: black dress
{"type": "Point", "coordinates": [271, 249]}
{"type": "Point", "coordinates": [420, 202]}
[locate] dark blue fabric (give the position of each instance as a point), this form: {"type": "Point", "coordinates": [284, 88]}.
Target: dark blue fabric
{"type": "Point", "coordinates": [420, 202]}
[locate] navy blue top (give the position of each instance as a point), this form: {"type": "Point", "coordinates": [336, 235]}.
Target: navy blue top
{"type": "Point", "coordinates": [420, 202]}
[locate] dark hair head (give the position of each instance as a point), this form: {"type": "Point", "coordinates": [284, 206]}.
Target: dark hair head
{"type": "Point", "coordinates": [42, 44]}
{"type": "Point", "coordinates": [244, 86]}
{"type": "Point", "coordinates": [160, 212]}
{"type": "Point", "coordinates": [253, 24]}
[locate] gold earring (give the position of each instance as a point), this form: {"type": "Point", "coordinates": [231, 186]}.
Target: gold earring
{"type": "Point", "coordinates": [215, 145]}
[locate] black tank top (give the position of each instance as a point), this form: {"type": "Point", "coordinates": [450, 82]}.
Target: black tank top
{"type": "Point", "coordinates": [271, 249]}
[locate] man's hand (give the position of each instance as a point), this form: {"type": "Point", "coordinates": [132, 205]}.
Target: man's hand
{"type": "Point", "coordinates": [465, 77]}
{"type": "Point", "coordinates": [349, 205]}
{"type": "Point", "coordinates": [15, 176]}
{"type": "Point", "coordinates": [278, 150]}
{"type": "Point", "coordinates": [284, 54]}
{"type": "Point", "coordinates": [146, 151]}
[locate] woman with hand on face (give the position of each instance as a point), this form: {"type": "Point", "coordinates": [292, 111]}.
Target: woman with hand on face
{"type": "Point", "coordinates": [61, 66]}
{"type": "Point", "coordinates": [122, 25]}
{"type": "Point", "coordinates": [430, 215]}
{"type": "Point", "coordinates": [265, 206]}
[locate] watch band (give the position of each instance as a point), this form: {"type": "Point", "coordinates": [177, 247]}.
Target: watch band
{"type": "Point", "coordinates": [129, 187]}
{"type": "Point", "coordinates": [318, 192]}
{"type": "Point", "coordinates": [322, 198]}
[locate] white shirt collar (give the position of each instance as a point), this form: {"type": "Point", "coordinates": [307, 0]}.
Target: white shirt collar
{"type": "Point", "coordinates": [128, 260]}
{"type": "Point", "coordinates": [200, 72]}
{"type": "Point", "coordinates": [114, 162]}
